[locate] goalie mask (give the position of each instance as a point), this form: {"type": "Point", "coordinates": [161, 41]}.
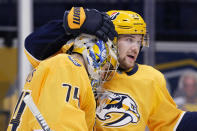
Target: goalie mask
{"type": "Point", "coordinates": [100, 58]}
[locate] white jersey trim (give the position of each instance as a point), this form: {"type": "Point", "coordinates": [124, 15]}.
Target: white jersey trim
{"type": "Point", "coordinates": [179, 121]}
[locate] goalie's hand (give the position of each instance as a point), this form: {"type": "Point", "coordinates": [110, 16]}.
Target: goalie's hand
{"type": "Point", "coordinates": [90, 21]}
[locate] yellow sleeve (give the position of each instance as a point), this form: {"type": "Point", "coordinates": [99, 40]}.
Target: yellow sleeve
{"type": "Point", "coordinates": [164, 113]}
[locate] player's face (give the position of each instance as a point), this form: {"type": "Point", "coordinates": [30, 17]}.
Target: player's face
{"type": "Point", "coordinates": [128, 47]}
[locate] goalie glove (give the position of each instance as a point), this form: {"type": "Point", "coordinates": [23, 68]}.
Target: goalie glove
{"type": "Point", "coordinates": [90, 21]}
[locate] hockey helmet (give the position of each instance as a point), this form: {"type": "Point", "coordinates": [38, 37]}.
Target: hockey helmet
{"type": "Point", "coordinates": [128, 22]}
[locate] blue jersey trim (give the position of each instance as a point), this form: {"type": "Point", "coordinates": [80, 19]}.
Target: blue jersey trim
{"type": "Point", "coordinates": [133, 71]}
{"type": "Point", "coordinates": [188, 122]}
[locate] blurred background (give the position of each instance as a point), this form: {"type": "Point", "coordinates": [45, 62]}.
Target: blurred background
{"type": "Point", "coordinates": [172, 27]}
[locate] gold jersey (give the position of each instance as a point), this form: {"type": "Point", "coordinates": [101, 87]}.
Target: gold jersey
{"type": "Point", "coordinates": [137, 99]}
{"type": "Point", "coordinates": [61, 90]}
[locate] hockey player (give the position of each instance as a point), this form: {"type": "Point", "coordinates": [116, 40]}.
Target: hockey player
{"type": "Point", "coordinates": [137, 95]}
{"type": "Point", "coordinates": [61, 89]}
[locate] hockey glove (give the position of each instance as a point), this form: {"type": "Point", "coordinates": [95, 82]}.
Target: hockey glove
{"type": "Point", "coordinates": [90, 21]}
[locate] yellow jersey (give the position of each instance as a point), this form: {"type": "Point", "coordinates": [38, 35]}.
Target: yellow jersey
{"type": "Point", "coordinates": [136, 99]}
{"type": "Point", "coordinates": [61, 90]}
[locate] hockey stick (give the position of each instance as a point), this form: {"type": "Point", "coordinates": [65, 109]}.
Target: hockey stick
{"type": "Point", "coordinates": [30, 103]}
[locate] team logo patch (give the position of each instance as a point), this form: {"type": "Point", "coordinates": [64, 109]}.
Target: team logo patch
{"type": "Point", "coordinates": [74, 61]}
{"type": "Point", "coordinates": [114, 15]}
{"type": "Point", "coordinates": [117, 110]}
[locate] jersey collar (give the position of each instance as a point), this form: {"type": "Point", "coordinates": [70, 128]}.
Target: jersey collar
{"type": "Point", "coordinates": [131, 71]}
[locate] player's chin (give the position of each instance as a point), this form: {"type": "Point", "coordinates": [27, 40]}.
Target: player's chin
{"type": "Point", "coordinates": [126, 66]}
{"type": "Point", "coordinates": [129, 64]}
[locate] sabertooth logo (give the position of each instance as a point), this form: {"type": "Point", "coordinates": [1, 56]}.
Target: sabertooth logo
{"type": "Point", "coordinates": [116, 103]}
{"type": "Point", "coordinates": [114, 15]}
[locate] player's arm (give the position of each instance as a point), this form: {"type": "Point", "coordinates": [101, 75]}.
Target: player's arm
{"type": "Point", "coordinates": [45, 41]}
{"type": "Point", "coordinates": [49, 39]}
{"type": "Point", "coordinates": [188, 122]}
{"type": "Point", "coordinates": [38, 42]}
{"type": "Point", "coordinates": [163, 109]}
{"type": "Point", "coordinates": [47, 34]}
